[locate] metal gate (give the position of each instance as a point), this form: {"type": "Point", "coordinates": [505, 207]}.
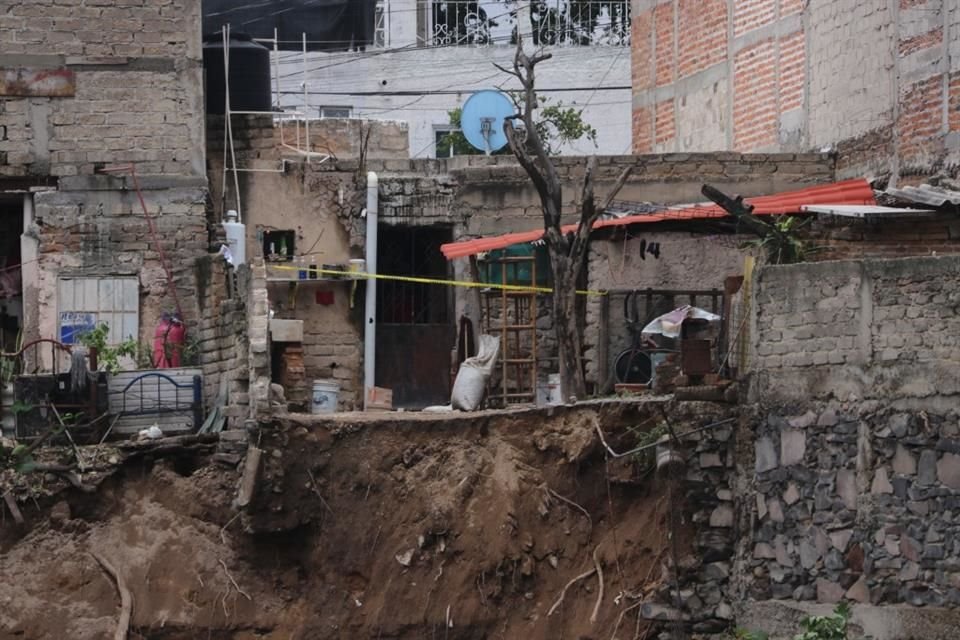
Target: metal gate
{"type": "Point", "coordinates": [415, 330]}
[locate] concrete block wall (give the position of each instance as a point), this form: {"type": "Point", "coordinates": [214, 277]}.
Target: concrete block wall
{"type": "Point", "coordinates": [878, 80]}
{"type": "Point", "coordinates": [858, 330]}
{"type": "Point", "coordinates": [138, 96]}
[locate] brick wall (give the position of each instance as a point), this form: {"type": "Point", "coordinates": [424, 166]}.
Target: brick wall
{"type": "Point", "coordinates": [137, 100]}
{"type": "Point", "coordinates": [138, 87]}
{"type": "Point", "coordinates": [854, 475]}
{"type": "Point", "coordinates": [91, 227]}
{"type": "Point", "coordinates": [702, 37]}
{"type": "Point", "coordinates": [751, 14]}
{"type": "Point", "coordinates": [223, 293]}
{"type": "Point", "coordinates": [875, 80]}
{"type": "Point", "coordinates": [664, 50]}
{"type": "Point", "coordinates": [755, 117]}
{"type": "Point", "coordinates": [843, 238]}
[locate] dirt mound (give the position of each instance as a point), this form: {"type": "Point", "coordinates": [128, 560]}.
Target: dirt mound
{"type": "Point", "coordinates": [448, 529]}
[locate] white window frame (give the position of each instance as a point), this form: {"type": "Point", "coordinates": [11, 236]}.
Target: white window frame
{"type": "Point", "coordinates": [445, 130]}
{"type": "Point", "coordinates": [332, 107]}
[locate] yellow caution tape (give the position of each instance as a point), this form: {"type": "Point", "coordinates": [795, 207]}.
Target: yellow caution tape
{"type": "Point", "coordinates": [360, 275]}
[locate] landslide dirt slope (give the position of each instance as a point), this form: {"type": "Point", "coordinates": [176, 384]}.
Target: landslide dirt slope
{"type": "Point", "coordinates": [437, 529]}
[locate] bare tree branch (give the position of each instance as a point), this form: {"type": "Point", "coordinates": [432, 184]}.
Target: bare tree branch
{"type": "Point", "coordinates": [617, 186]}
{"type": "Point", "coordinates": [590, 213]}
{"type": "Point", "coordinates": [505, 70]}
{"type": "Point", "coordinates": [523, 66]}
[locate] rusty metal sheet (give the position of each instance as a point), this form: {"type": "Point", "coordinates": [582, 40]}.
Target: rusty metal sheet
{"type": "Point", "coordinates": [53, 83]}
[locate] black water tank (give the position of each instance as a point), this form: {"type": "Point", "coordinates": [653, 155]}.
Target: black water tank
{"type": "Point", "coordinates": [249, 74]}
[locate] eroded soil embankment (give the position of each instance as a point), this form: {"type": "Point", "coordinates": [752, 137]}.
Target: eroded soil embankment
{"type": "Point", "coordinates": [451, 528]}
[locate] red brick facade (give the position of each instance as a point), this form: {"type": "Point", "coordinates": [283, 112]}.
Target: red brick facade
{"type": "Point", "coordinates": [665, 59]}
{"type": "Point", "coordinates": [665, 122]}
{"type": "Point", "coordinates": [790, 7]}
{"type": "Point", "coordinates": [702, 27]}
{"type": "Point", "coordinates": [750, 14]}
{"type": "Point", "coordinates": [791, 75]}
{"type": "Point", "coordinates": [921, 115]}
{"type": "Point", "coordinates": [641, 54]}
{"type": "Point", "coordinates": [953, 119]}
{"type": "Point", "coordinates": [755, 97]}
{"type": "Point", "coordinates": [792, 71]}
{"type": "Point", "coordinates": [642, 130]}
{"type": "Point", "coordinates": [922, 41]}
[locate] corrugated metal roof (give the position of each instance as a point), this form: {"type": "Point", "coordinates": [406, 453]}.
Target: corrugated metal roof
{"type": "Point", "coordinates": [926, 194]}
{"type": "Point", "coordinates": [856, 192]}
{"type": "Point", "coordinates": [867, 211]}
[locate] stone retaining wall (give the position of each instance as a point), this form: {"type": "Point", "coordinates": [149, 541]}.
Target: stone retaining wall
{"type": "Point", "coordinates": [851, 490]}
{"type": "Point", "coordinates": [855, 501]}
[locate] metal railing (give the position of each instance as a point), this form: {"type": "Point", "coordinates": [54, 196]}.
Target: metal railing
{"type": "Point", "coordinates": [381, 26]}
{"type": "Point", "coordinates": [546, 22]}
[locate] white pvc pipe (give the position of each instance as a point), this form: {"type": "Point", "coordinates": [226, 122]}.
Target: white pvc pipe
{"type": "Point", "coordinates": [370, 311]}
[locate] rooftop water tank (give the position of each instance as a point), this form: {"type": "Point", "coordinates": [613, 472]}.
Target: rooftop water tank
{"type": "Point", "coordinates": [249, 74]}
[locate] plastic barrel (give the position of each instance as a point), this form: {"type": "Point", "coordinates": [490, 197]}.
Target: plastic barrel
{"type": "Point", "coordinates": [325, 395]}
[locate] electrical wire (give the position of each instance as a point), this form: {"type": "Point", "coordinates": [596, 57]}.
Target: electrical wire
{"type": "Point", "coordinates": [441, 92]}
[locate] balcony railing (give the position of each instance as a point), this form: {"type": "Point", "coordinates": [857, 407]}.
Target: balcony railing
{"type": "Point", "coordinates": [547, 22]}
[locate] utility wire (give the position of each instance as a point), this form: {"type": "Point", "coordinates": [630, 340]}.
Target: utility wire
{"type": "Point", "coordinates": [441, 92]}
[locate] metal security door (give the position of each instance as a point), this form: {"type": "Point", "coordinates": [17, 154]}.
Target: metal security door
{"type": "Point", "coordinates": [415, 330]}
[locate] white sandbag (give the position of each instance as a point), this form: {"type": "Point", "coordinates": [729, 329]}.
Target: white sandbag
{"type": "Point", "coordinates": [471, 382]}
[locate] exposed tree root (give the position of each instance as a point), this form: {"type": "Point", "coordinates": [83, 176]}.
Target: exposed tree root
{"type": "Point", "coordinates": [126, 600]}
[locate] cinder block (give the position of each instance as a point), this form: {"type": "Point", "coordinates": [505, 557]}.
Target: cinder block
{"type": "Point", "coordinates": [286, 330]}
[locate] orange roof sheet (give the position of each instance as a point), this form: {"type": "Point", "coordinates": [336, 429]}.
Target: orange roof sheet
{"type": "Point", "coordinates": [857, 191]}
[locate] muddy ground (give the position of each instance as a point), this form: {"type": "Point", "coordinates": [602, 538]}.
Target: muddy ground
{"type": "Point", "coordinates": [445, 528]}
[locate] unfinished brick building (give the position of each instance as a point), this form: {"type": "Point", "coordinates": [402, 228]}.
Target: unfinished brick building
{"type": "Point", "coordinates": [87, 86]}
{"type": "Point", "coordinates": [877, 80]}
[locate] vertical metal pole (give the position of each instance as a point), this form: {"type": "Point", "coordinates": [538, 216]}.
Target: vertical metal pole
{"type": "Point", "coordinates": [370, 310]}
{"type": "Point", "coordinates": [306, 104]}
{"type": "Point", "coordinates": [276, 66]}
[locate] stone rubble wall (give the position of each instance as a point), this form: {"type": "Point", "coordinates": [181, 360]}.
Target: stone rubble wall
{"type": "Point", "coordinates": [854, 501]}
{"type": "Point", "coordinates": [851, 488]}
{"type": "Point", "coordinates": [706, 587]}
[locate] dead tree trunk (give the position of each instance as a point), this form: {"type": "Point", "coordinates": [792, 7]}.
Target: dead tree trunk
{"type": "Point", "coordinates": [568, 252]}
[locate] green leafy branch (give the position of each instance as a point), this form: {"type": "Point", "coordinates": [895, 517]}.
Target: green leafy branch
{"type": "Point", "coordinates": [782, 240]}
{"type": "Point", "coordinates": [830, 627]}
{"type": "Point", "coordinates": [645, 459]}
{"type": "Point", "coordinates": [108, 355]}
